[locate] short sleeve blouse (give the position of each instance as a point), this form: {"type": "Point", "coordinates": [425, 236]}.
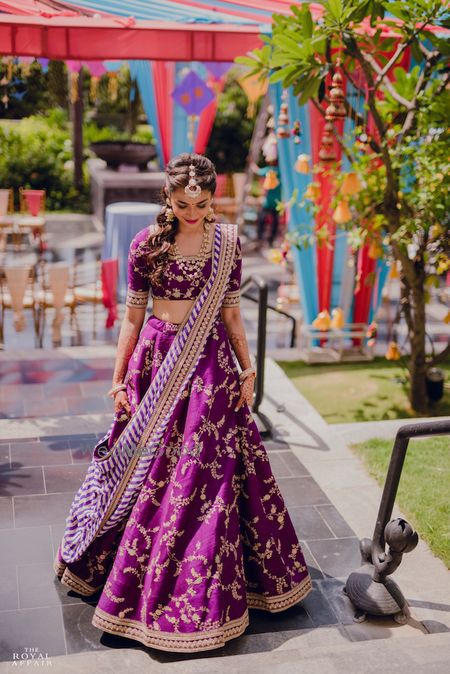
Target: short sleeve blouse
{"type": "Point", "coordinates": [174, 283]}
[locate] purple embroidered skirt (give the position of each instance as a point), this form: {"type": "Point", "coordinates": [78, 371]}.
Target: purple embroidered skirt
{"type": "Point", "coordinates": [209, 535]}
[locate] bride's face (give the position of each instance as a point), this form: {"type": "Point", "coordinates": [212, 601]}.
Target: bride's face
{"type": "Point", "coordinates": [190, 212]}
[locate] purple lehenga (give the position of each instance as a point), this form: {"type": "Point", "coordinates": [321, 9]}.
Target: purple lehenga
{"type": "Point", "coordinates": [185, 538]}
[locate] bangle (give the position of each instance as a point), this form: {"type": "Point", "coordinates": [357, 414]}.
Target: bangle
{"type": "Point", "coordinates": [246, 373]}
{"type": "Point", "coordinates": [115, 389]}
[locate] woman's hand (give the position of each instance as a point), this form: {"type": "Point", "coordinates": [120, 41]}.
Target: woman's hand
{"type": "Point", "coordinates": [121, 402]}
{"type": "Point", "coordinates": [246, 393]}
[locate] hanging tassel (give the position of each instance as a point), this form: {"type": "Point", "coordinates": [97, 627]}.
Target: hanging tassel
{"type": "Point", "coordinates": [191, 128]}
{"type": "Point", "coordinates": [342, 213]}
{"type": "Point", "coordinates": [73, 87]}
{"type": "Point", "coordinates": [351, 184]}
{"type": "Point", "coordinates": [270, 181]}
{"type": "Point", "coordinates": [337, 320]}
{"type": "Point", "coordinates": [326, 152]}
{"type": "Point", "coordinates": [9, 69]}
{"type": "Point", "coordinates": [312, 192]}
{"type": "Point", "coordinates": [302, 163]}
{"type": "Point", "coordinates": [113, 86]}
{"type": "Point", "coordinates": [93, 88]}
{"type": "Point", "coordinates": [393, 352]}
{"type": "Point", "coordinates": [336, 109]}
{"type": "Point", "coordinates": [322, 321]}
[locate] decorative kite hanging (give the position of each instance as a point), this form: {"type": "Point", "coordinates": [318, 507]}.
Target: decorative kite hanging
{"type": "Point", "coordinates": [193, 94]}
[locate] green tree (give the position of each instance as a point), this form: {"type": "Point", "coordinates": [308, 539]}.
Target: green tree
{"type": "Point", "coordinates": [404, 201]}
{"type": "Point", "coordinates": [232, 131]}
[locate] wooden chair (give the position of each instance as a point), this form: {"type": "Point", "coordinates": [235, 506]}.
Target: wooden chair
{"type": "Point", "coordinates": [18, 292]}
{"type": "Point", "coordinates": [56, 293]}
{"type": "Point", "coordinates": [32, 213]}
{"type": "Point", "coordinates": [6, 215]}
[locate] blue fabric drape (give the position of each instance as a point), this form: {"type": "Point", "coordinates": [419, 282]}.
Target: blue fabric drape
{"type": "Point", "coordinates": [300, 220]}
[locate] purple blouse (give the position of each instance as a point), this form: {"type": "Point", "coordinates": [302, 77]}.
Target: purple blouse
{"type": "Point", "coordinates": [175, 284]}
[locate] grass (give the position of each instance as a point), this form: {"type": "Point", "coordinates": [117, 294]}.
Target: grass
{"type": "Point", "coordinates": [348, 392]}
{"type": "Point", "coordinates": [423, 490]}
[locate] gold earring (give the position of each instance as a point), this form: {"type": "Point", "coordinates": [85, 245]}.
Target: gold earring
{"type": "Point", "coordinates": [210, 216]}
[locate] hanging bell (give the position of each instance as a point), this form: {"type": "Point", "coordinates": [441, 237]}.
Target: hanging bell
{"type": "Point", "coordinates": [393, 352]}
{"type": "Point", "coordinates": [351, 184]}
{"type": "Point", "coordinates": [327, 152]}
{"type": "Point", "coordinates": [270, 181]}
{"type": "Point", "coordinates": [336, 109]}
{"type": "Point", "coordinates": [337, 319]}
{"type": "Point", "coordinates": [312, 192]}
{"type": "Point", "coordinates": [322, 321]}
{"type": "Point", "coordinates": [342, 213]}
{"type": "Point", "coordinates": [302, 163]}
{"type": "Point", "coordinates": [283, 122]}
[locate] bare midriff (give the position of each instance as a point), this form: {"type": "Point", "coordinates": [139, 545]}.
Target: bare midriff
{"type": "Point", "coordinates": [172, 311]}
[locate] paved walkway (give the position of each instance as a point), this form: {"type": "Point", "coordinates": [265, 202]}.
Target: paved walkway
{"type": "Point", "coordinates": [332, 502]}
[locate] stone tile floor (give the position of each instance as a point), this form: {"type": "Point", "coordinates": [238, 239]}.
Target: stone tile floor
{"type": "Point", "coordinates": [39, 477]}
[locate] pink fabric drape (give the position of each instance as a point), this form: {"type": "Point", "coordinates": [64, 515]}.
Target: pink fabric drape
{"type": "Point", "coordinates": [110, 275]}
{"type": "Point", "coordinates": [164, 83]}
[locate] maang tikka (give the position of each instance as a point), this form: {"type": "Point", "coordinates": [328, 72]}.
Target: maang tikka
{"type": "Point", "coordinates": [192, 189]}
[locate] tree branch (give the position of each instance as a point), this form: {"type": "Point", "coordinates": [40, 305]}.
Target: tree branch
{"type": "Point", "coordinates": [421, 84]}
{"type": "Point", "coordinates": [387, 83]}
{"type": "Point", "coordinates": [399, 51]}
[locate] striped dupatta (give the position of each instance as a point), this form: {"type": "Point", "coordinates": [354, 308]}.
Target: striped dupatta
{"type": "Point", "coordinates": [115, 476]}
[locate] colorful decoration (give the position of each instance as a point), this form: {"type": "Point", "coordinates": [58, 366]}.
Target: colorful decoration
{"type": "Point", "coordinates": [97, 69]}
{"type": "Point", "coordinates": [193, 95]}
{"type": "Point", "coordinates": [327, 152]}
{"type": "Point", "coordinates": [322, 321]}
{"type": "Point", "coordinates": [351, 184]}
{"type": "Point", "coordinates": [270, 148]}
{"type": "Point", "coordinates": [375, 250]}
{"type": "Point", "coordinates": [312, 192]}
{"type": "Point", "coordinates": [302, 163]}
{"type": "Point", "coordinates": [393, 352]}
{"type": "Point", "coordinates": [394, 272]}
{"type": "Point", "coordinates": [372, 333]}
{"type": "Point", "coordinates": [296, 131]}
{"type": "Point", "coordinates": [270, 181]}
{"type": "Point", "coordinates": [336, 109]}
{"type": "Point", "coordinates": [254, 88]}
{"type": "Point", "coordinates": [337, 319]}
{"type": "Point", "coordinates": [342, 213]}
{"type": "Point", "coordinates": [363, 142]}
{"type": "Point", "coordinates": [283, 122]}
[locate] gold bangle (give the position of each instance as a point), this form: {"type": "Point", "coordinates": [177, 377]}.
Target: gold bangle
{"type": "Point", "coordinates": [115, 389]}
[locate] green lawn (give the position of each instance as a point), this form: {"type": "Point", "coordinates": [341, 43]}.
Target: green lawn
{"type": "Point", "coordinates": [348, 392]}
{"type": "Point", "coordinates": [424, 486]}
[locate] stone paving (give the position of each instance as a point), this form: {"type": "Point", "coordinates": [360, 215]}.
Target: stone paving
{"type": "Point", "coordinates": [330, 498]}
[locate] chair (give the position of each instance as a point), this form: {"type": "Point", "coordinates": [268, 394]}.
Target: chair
{"type": "Point", "coordinates": [55, 293]}
{"type": "Point", "coordinates": [6, 215]}
{"type": "Point", "coordinates": [18, 292]}
{"type": "Point", "coordinates": [102, 290]}
{"type": "Point", "coordinates": [32, 213]}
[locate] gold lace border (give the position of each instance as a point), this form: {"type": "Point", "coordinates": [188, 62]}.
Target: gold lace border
{"type": "Point", "coordinates": [198, 641]}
